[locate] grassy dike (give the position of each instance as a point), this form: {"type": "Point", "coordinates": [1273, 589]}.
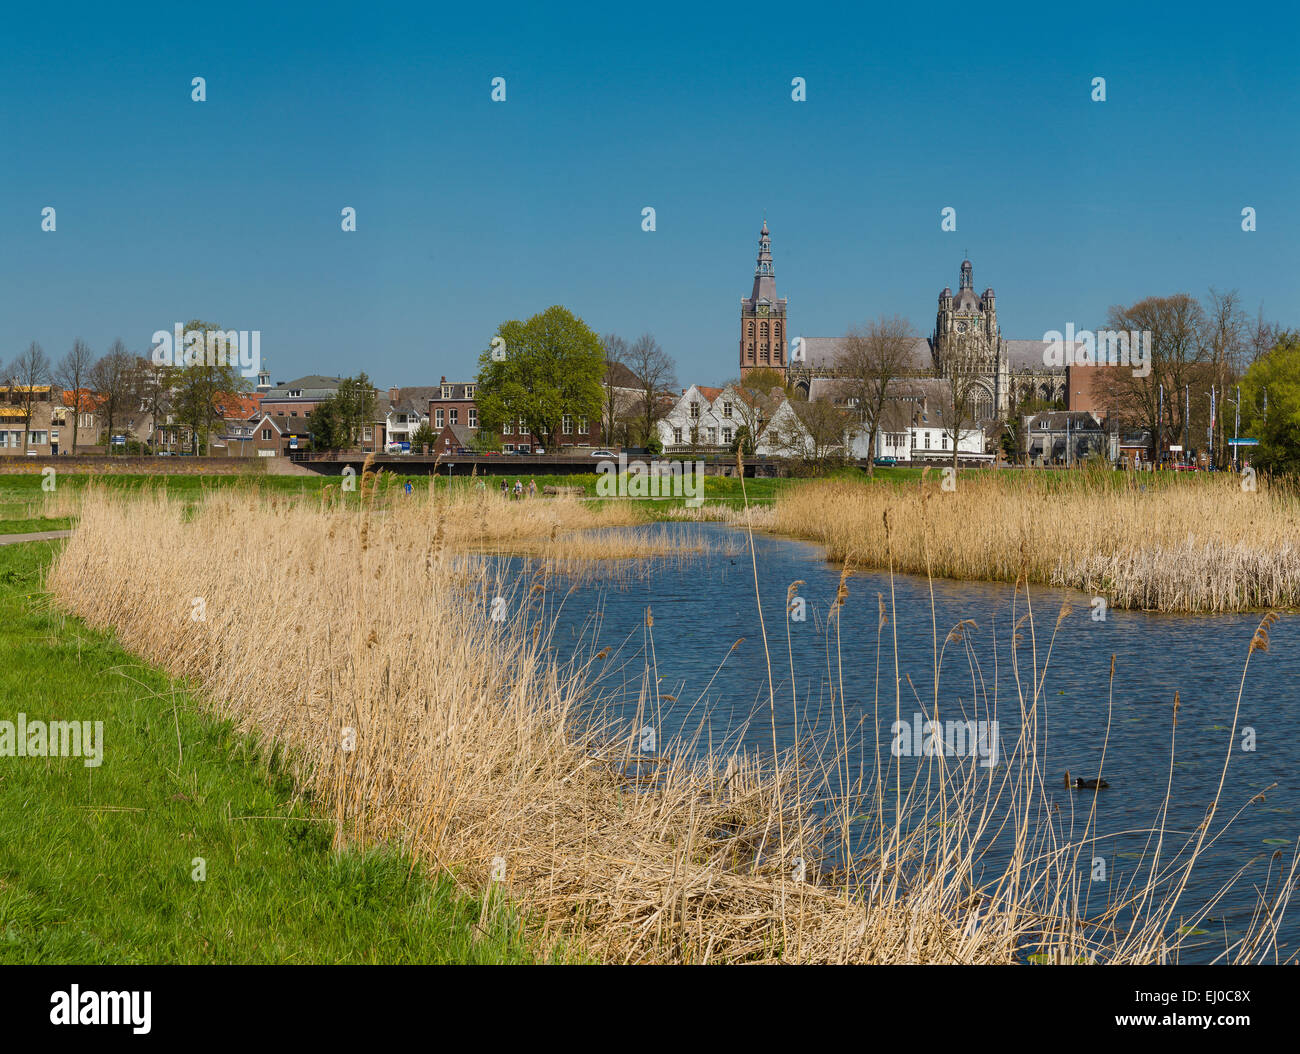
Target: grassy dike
{"type": "Point", "coordinates": [96, 863]}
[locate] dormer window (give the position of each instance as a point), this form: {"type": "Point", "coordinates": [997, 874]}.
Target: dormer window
{"type": "Point", "coordinates": [469, 391]}
{"type": "Point", "coordinates": [446, 391]}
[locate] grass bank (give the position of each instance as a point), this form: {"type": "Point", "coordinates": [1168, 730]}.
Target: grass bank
{"type": "Point", "coordinates": [97, 864]}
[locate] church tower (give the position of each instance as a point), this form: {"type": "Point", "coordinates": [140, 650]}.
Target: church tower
{"type": "Point", "coordinates": [762, 317]}
{"type": "Point", "coordinates": [967, 339]}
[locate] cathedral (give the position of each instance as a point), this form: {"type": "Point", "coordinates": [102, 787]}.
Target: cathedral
{"type": "Point", "coordinates": [966, 337]}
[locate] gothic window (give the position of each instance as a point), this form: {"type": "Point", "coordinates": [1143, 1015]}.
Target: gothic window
{"type": "Point", "coordinates": [764, 332]}
{"type": "Point", "coordinates": [751, 331]}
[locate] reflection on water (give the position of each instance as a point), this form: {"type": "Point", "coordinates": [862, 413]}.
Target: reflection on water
{"type": "Point", "coordinates": [707, 683]}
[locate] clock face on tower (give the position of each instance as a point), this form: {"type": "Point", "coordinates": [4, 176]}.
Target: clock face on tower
{"type": "Point", "coordinates": [961, 327]}
{"type": "Point", "coordinates": [762, 309]}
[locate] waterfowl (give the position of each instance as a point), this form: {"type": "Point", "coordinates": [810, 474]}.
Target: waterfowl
{"type": "Point", "coordinates": [1079, 783]}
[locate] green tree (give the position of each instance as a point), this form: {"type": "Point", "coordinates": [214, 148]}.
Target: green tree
{"type": "Point", "coordinates": [199, 382]}
{"type": "Point", "coordinates": [337, 422]}
{"type": "Point", "coordinates": [551, 365]}
{"type": "Point", "coordinates": [1278, 429]}
{"type": "Point", "coordinates": [423, 437]}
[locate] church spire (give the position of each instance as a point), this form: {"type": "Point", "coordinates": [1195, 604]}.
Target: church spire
{"type": "Point", "coordinates": [764, 276]}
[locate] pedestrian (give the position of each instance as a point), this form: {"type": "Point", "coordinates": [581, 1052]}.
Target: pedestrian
{"type": "Point", "coordinates": [503, 486]}
{"type": "Point", "coordinates": [519, 489]}
{"type": "Point", "coordinates": [532, 487]}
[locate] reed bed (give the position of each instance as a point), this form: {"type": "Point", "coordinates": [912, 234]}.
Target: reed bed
{"type": "Point", "coordinates": [1204, 545]}
{"type": "Point", "coordinates": [366, 651]}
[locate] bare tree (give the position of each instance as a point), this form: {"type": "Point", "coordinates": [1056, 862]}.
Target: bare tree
{"type": "Point", "coordinates": [1262, 337]}
{"type": "Point", "coordinates": [151, 385]}
{"type": "Point", "coordinates": [113, 378]}
{"type": "Point", "coordinates": [871, 359]}
{"type": "Point", "coordinates": [1224, 341]}
{"type": "Point", "coordinates": [1176, 324]}
{"type": "Point", "coordinates": [959, 392]}
{"type": "Point", "coordinates": [657, 374]}
{"type": "Point", "coordinates": [73, 373]}
{"type": "Point", "coordinates": [612, 407]}
{"type": "Point", "coordinates": [28, 375]}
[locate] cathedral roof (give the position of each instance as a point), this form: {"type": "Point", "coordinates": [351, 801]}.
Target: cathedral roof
{"type": "Point", "coordinates": [822, 352]}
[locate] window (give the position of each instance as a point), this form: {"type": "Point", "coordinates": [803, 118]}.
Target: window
{"type": "Point", "coordinates": [582, 426]}
{"type": "Point", "coordinates": [453, 416]}
{"type": "Point", "coordinates": [568, 424]}
{"type": "Point", "coordinates": [927, 440]}
{"type": "Point", "coordinates": [506, 429]}
{"type": "Point", "coordinates": [473, 417]}
{"type": "Point", "coordinates": [726, 409]}
{"type": "Point", "coordinates": [293, 413]}
{"type": "Point", "coordinates": [446, 391]}
{"type": "Point", "coordinates": [469, 391]}
{"type": "Point", "coordinates": [713, 436]}
{"type": "Point", "coordinates": [677, 436]}
{"type": "Point", "coordinates": [726, 435]}
{"type": "Point", "coordinates": [366, 433]}
{"type": "Point", "coordinates": [437, 419]}
{"type": "Point", "coordinates": [695, 411]}
{"type": "Point", "coordinates": [306, 413]}
{"type": "Point", "coordinates": [523, 427]}
{"type": "Point", "coordinates": [510, 447]}
{"type": "Point", "coordinates": [37, 438]}
{"type": "Point", "coordinates": [86, 420]}
{"type": "Point", "coordinates": [266, 434]}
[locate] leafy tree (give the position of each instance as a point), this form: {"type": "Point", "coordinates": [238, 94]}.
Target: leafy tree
{"type": "Point", "coordinates": [423, 438]}
{"type": "Point", "coordinates": [553, 365]}
{"type": "Point", "coordinates": [1278, 428]}
{"type": "Point", "coordinates": [337, 422]}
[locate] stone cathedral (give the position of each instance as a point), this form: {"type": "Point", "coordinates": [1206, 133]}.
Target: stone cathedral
{"type": "Point", "coordinates": [966, 337]}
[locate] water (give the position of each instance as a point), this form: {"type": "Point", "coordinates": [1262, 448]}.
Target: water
{"type": "Point", "coordinates": [701, 609]}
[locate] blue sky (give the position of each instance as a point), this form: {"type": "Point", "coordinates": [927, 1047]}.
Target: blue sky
{"type": "Point", "coordinates": [471, 212]}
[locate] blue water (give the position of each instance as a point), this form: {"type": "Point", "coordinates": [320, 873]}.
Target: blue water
{"type": "Point", "coordinates": [703, 607]}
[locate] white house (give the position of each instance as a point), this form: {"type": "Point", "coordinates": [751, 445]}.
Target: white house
{"type": "Point", "coordinates": [703, 417]}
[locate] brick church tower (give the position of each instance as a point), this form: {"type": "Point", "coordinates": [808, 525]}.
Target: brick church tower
{"type": "Point", "coordinates": [762, 317]}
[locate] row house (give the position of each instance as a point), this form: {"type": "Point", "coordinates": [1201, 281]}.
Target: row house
{"type": "Point", "coordinates": [407, 411]}
{"type": "Point", "coordinates": [453, 404]}
{"type": "Point", "coordinates": [43, 433]}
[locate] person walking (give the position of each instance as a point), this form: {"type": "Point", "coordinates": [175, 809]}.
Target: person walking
{"type": "Point", "coordinates": [519, 489]}
{"type": "Point", "coordinates": [532, 487]}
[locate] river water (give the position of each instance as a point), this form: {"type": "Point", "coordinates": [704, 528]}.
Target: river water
{"type": "Point", "coordinates": [709, 689]}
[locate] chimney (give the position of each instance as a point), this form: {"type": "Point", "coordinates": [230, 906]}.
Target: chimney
{"type": "Point", "coordinates": [393, 393]}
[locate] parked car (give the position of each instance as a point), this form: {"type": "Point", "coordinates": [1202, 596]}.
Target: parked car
{"type": "Point", "coordinates": [538, 450]}
{"type": "Point", "coordinates": [602, 453]}
{"type": "Point", "coordinates": [885, 462]}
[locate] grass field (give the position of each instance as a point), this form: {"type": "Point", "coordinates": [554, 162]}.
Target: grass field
{"type": "Point", "coordinates": [97, 864]}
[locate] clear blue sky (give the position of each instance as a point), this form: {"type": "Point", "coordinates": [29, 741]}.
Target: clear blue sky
{"type": "Point", "coordinates": [471, 212]}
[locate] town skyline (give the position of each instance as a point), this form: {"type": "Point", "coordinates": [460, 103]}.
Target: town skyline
{"type": "Point", "coordinates": [470, 212]}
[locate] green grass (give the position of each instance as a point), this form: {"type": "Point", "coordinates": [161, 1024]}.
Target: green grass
{"type": "Point", "coordinates": [96, 863]}
{"type": "Point", "coordinates": [35, 524]}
